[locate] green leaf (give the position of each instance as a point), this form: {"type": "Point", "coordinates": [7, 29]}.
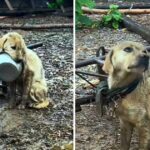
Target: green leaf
{"type": "Point", "coordinates": [78, 8]}
{"type": "Point", "coordinates": [85, 20]}
{"type": "Point", "coordinates": [115, 25]}
{"type": "Point", "coordinates": [113, 17]}
{"type": "Point", "coordinates": [108, 18]}
{"type": "Point", "coordinates": [88, 3]}
{"type": "Point", "coordinates": [80, 19]}
{"type": "Point", "coordinates": [113, 7]}
{"type": "Point", "coordinates": [52, 5]}
{"type": "Point", "coordinates": [116, 17]}
{"type": "Point", "coordinates": [59, 2]}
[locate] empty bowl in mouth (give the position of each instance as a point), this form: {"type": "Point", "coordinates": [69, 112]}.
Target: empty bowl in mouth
{"type": "Point", "coordinates": [9, 69]}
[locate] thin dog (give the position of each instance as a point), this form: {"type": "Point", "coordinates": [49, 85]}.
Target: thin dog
{"type": "Point", "coordinates": [127, 65]}
{"type": "Point", "coordinates": [32, 80]}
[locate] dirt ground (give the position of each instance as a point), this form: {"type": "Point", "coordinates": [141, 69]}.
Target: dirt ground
{"type": "Point", "coordinates": [31, 129]}
{"type": "Point", "coordinates": [93, 132]}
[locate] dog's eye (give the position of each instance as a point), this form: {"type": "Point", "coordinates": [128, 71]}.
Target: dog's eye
{"type": "Point", "coordinates": [128, 49]}
{"type": "Point", "coordinates": [13, 47]}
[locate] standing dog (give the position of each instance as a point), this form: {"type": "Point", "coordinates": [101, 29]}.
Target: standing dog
{"type": "Point", "coordinates": [32, 81]}
{"type": "Point", "coordinates": [127, 63]}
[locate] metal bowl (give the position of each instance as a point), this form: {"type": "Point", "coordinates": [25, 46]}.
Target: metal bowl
{"type": "Point", "coordinates": [9, 69]}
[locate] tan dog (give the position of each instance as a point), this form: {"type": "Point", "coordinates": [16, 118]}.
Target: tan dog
{"type": "Point", "coordinates": [127, 62]}
{"type": "Point", "coordinates": [32, 81]}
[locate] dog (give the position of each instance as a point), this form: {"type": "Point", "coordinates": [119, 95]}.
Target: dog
{"type": "Point", "coordinates": [125, 64]}
{"type": "Point", "coordinates": [31, 84]}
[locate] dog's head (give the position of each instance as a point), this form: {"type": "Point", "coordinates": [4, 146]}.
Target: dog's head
{"type": "Point", "coordinates": [13, 44]}
{"type": "Point", "coordinates": [126, 61]}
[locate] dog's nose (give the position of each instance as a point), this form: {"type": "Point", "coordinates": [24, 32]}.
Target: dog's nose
{"type": "Point", "coordinates": [144, 51]}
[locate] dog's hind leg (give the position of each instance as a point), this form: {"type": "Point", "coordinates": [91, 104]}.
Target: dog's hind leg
{"type": "Point", "coordinates": [39, 98]}
{"type": "Point", "coordinates": [126, 134]}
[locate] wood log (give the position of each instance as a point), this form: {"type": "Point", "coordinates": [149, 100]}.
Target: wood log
{"type": "Point", "coordinates": [85, 100]}
{"type": "Point", "coordinates": [5, 12]}
{"type": "Point", "coordinates": [124, 11]}
{"type": "Point", "coordinates": [36, 45]}
{"type": "Point", "coordinates": [37, 26]}
{"type": "Point", "coordinates": [137, 28]}
{"type": "Point", "coordinates": [122, 6]}
{"type": "Point", "coordinates": [68, 12]}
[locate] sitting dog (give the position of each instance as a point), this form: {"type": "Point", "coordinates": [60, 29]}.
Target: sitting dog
{"type": "Point", "coordinates": [31, 83]}
{"type": "Point", "coordinates": [127, 65]}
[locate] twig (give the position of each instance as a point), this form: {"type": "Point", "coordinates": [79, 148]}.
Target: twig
{"type": "Point", "coordinates": [9, 5]}
{"type": "Point", "coordinates": [92, 74]}
{"type": "Point", "coordinates": [86, 80]}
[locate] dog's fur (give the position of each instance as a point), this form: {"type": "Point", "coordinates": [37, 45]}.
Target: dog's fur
{"type": "Point", "coordinates": [32, 81]}
{"type": "Point", "coordinates": [126, 62]}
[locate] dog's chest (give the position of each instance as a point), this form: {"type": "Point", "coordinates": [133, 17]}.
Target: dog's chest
{"type": "Point", "coordinates": [136, 106]}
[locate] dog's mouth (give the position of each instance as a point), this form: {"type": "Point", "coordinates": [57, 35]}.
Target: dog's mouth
{"type": "Point", "coordinates": [142, 63]}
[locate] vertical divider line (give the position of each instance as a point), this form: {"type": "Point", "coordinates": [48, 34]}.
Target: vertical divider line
{"type": "Point", "coordinates": [74, 86]}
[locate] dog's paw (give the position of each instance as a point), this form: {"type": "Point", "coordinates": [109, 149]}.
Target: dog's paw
{"type": "Point", "coordinates": [44, 104]}
{"type": "Point", "coordinates": [21, 106]}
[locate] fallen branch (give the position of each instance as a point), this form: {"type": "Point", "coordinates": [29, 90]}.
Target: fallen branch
{"type": "Point", "coordinates": [137, 28]}
{"type": "Point", "coordinates": [85, 100]}
{"type": "Point", "coordinates": [68, 12]}
{"type": "Point", "coordinates": [25, 12]}
{"type": "Point", "coordinates": [124, 11]}
{"type": "Point", "coordinates": [37, 26]}
{"type": "Point", "coordinates": [36, 45]}
{"type": "Point", "coordinates": [90, 61]}
{"type": "Point", "coordinates": [122, 6]}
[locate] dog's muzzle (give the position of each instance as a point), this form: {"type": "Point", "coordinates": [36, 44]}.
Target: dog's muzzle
{"type": "Point", "coordinates": [144, 62]}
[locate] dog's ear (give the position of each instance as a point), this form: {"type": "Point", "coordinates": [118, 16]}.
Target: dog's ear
{"type": "Point", "coordinates": [2, 42]}
{"type": "Point", "coordinates": [20, 47]}
{"type": "Point", "coordinates": [108, 66]}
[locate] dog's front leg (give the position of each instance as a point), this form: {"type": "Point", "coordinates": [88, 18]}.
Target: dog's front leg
{"type": "Point", "coordinates": [12, 94]}
{"type": "Point", "coordinates": [126, 134]}
{"type": "Point", "coordinates": [26, 86]}
{"type": "Point", "coordinates": [144, 136]}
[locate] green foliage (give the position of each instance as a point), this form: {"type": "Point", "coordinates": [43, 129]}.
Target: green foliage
{"type": "Point", "coordinates": [113, 17]}
{"type": "Point", "coordinates": [81, 19]}
{"type": "Point", "coordinates": [56, 4]}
